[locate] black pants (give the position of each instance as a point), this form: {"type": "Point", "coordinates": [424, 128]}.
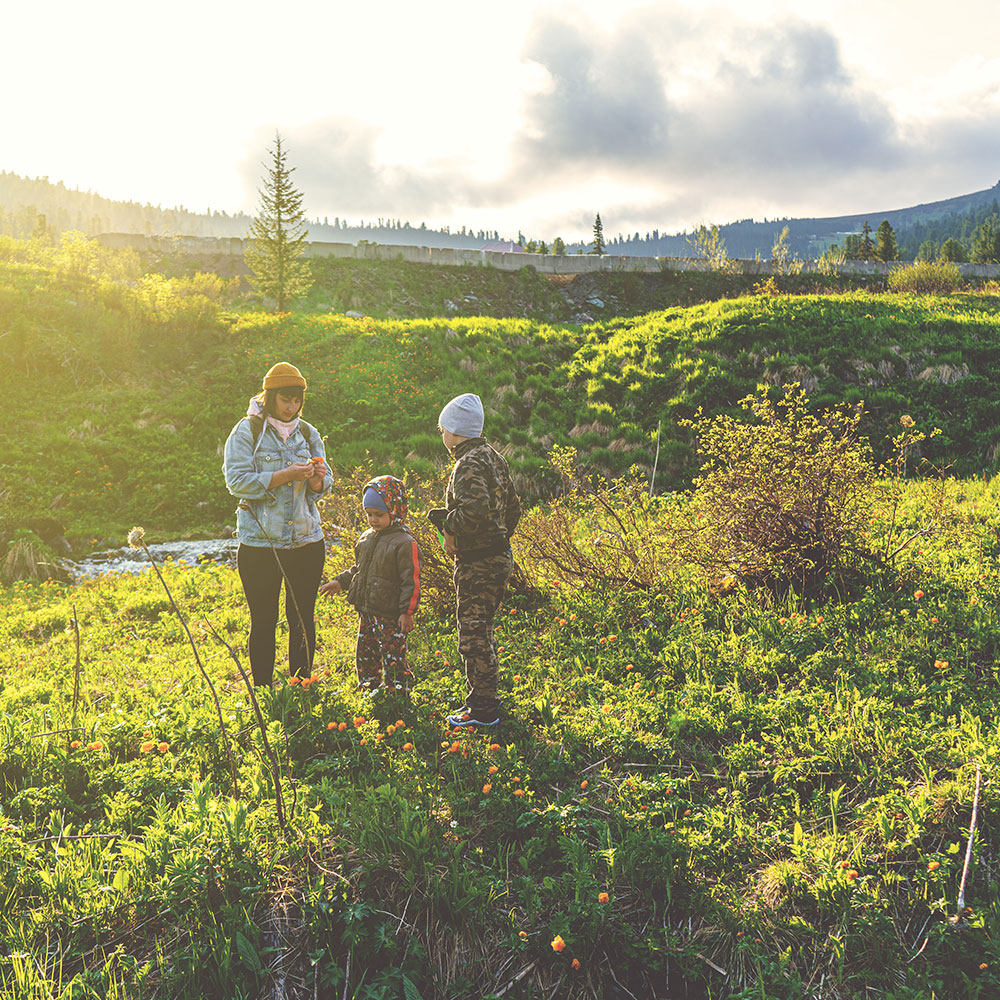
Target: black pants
{"type": "Point", "coordinates": [261, 578]}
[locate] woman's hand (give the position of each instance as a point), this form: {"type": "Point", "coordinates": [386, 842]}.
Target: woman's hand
{"type": "Point", "coordinates": [331, 588]}
{"type": "Point", "coordinates": [319, 474]}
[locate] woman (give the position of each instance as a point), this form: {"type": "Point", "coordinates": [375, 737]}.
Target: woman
{"type": "Point", "coordinates": [275, 464]}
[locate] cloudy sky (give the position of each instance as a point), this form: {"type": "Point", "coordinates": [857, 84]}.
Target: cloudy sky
{"type": "Point", "coordinates": [524, 114]}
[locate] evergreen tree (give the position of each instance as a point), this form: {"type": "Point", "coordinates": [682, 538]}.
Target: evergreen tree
{"type": "Point", "coordinates": [886, 247]}
{"type": "Point", "coordinates": [986, 242]}
{"type": "Point", "coordinates": [928, 251]}
{"type": "Point", "coordinates": [866, 248]}
{"type": "Point", "coordinates": [277, 235]}
{"type": "Point", "coordinates": [599, 246]}
{"type": "Point", "coordinates": [542, 247]}
{"type": "Point", "coordinates": [952, 251]}
{"type": "Point", "coordinates": [559, 247]}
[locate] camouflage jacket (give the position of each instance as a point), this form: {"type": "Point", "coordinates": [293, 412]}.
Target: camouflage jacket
{"type": "Point", "coordinates": [483, 508]}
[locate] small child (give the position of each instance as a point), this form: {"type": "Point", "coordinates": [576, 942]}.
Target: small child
{"type": "Point", "coordinates": [384, 586]}
{"type": "Point", "coordinates": [481, 514]}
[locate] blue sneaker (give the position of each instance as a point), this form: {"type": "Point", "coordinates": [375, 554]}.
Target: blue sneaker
{"type": "Point", "coordinates": [473, 718]}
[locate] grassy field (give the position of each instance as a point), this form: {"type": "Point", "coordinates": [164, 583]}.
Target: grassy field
{"type": "Point", "coordinates": [697, 795]}
{"type": "Point", "coordinates": [701, 789]}
{"type": "Point", "coordinates": [144, 375]}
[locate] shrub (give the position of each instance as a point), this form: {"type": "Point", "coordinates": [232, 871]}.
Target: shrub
{"type": "Point", "coordinates": [925, 278]}
{"type": "Point", "coordinates": [784, 498]}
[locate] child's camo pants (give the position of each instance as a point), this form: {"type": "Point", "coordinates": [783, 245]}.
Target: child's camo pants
{"type": "Point", "coordinates": [381, 652]}
{"type": "Point", "coordinates": [479, 588]}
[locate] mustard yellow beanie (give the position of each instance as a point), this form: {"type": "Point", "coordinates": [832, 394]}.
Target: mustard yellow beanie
{"type": "Point", "coordinates": [283, 375]}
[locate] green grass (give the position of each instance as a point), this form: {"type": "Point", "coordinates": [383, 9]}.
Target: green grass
{"type": "Point", "coordinates": [742, 761]}
{"type": "Point", "coordinates": [143, 377]}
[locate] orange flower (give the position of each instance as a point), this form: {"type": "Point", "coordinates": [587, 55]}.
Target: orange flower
{"type": "Point", "coordinates": [612, 638]}
{"type": "Point", "coordinates": [603, 897]}
{"type": "Point", "coordinates": [75, 745]}
{"type": "Point", "coordinates": [917, 594]}
{"type": "Point", "coordinates": [941, 664]}
{"type": "Point", "coordinates": [407, 746]}
{"type": "Point", "coordinates": [147, 746]}
{"type": "Point", "coordinates": [934, 620]}
{"type": "Point", "coordinates": [364, 740]}
{"type": "Point", "coordinates": [605, 709]}
{"type": "Point", "coordinates": [494, 746]}
{"type": "Point", "coordinates": [519, 792]}
{"type": "Point", "coordinates": [575, 963]}
{"type": "Point", "coordinates": [292, 681]}
{"type": "Point", "coordinates": [341, 726]}
{"type": "Point", "coordinates": [983, 966]}
{"type": "Point", "coordinates": [516, 781]}
{"type": "Point", "coordinates": [331, 725]}
{"type": "Point", "coordinates": [389, 730]}
{"type": "Point", "coordinates": [852, 875]}
{"type": "Point", "coordinates": [517, 678]}
{"type": "Point", "coordinates": [379, 737]}
{"type": "Point", "coordinates": [96, 746]}
{"type": "Point", "coordinates": [557, 943]}
{"type": "Point", "coordinates": [487, 788]}
{"type": "Point", "coordinates": [973, 600]}
{"type": "Point", "coordinates": [455, 747]}
{"type": "Point", "coordinates": [933, 866]}
{"type": "Point", "coordinates": [400, 724]}
{"type": "Point", "coordinates": [583, 784]}
{"type": "Point", "coordinates": [844, 864]}
{"type": "Point", "coordinates": [147, 736]}
{"type": "Point", "coordinates": [630, 666]}
{"type": "Point", "coordinates": [494, 769]}
{"type": "Point", "coordinates": [523, 935]}
{"type": "Point", "coordinates": [163, 747]}
{"type": "Point", "coordinates": [359, 722]}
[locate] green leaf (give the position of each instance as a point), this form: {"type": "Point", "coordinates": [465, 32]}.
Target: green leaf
{"type": "Point", "coordinates": [247, 953]}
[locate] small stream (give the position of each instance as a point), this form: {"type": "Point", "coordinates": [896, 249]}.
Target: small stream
{"type": "Point", "coordinates": [126, 560]}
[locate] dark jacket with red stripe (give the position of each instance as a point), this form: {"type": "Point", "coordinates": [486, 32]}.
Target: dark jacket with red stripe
{"type": "Point", "coordinates": [385, 578]}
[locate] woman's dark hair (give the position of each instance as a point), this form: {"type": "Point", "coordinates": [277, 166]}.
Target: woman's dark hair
{"type": "Point", "coordinates": [267, 404]}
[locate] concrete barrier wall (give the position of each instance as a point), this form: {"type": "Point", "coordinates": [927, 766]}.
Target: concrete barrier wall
{"type": "Point", "coordinates": [543, 263]}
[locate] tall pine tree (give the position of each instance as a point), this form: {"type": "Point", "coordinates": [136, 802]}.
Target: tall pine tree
{"type": "Point", "coordinates": [886, 247]}
{"type": "Point", "coordinates": [599, 246]}
{"type": "Point", "coordinates": [277, 236]}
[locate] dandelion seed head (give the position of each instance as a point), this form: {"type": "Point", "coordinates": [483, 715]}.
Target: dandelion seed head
{"type": "Point", "coordinates": [135, 537]}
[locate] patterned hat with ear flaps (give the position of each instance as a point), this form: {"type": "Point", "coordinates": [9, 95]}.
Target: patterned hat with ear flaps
{"type": "Point", "coordinates": [393, 494]}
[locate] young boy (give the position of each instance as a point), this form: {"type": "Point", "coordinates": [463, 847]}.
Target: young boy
{"type": "Point", "coordinates": [384, 586]}
{"type": "Point", "coordinates": [481, 514]}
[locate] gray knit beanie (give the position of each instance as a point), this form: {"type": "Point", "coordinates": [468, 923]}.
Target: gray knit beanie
{"type": "Point", "coordinates": [463, 416]}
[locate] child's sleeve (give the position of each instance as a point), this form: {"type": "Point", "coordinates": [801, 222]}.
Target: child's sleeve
{"type": "Point", "coordinates": [408, 567]}
{"type": "Point", "coordinates": [346, 578]}
{"type": "Point", "coordinates": [470, 510]}
{"type": "Point", "coordinates": [513, 509]}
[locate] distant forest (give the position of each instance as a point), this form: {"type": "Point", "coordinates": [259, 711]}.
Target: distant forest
{"type": "Point", "coordinates": [40, 207]}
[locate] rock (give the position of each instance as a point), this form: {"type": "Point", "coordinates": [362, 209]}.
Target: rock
{"type": "Point", "coordinates": [450, 306]}
{"type": "Point", "coordinates": [595, 302]}
{"type": "Point", "coordinates": [354, 314]}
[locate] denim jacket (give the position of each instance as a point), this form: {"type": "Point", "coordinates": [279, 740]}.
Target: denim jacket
{"type": "Point", "coordinates": [288, 513]}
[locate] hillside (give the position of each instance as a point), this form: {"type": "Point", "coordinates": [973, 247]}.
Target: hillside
{"type": "Point", "coordinates": [145, 375]}
{"type": "Point", "coordinates": [23, 200]}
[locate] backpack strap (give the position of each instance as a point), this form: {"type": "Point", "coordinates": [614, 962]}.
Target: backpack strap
{"type": "Point", "coordinates": [256, 427]}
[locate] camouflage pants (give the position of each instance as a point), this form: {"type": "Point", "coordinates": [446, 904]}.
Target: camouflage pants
{"type": "Point", "coordinates": [381, 650]}
{"type": "Point", "coordinates": [479, 588]}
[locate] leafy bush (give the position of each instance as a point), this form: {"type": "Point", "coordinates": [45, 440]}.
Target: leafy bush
{"type": "Point", "coordinates": [925, 278]}
{"type": "Point", "coordinates": [784, 498]}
